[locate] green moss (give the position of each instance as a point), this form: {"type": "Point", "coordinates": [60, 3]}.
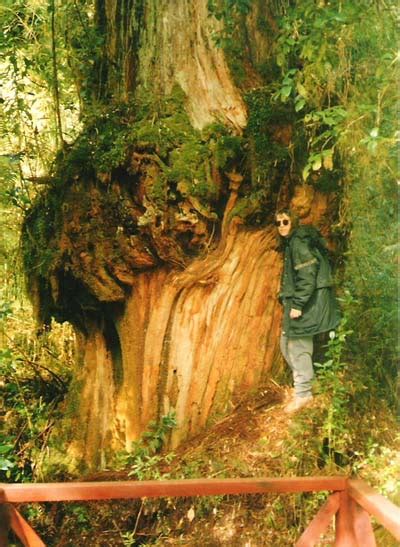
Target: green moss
{"type": "Point", "coordinates": [187, 161]}
{"type": "Point", "coordinates": [247, 208]}
{"type": "Point", "coordinates": [161, 127]}
{"type": "Point", "coordinates": [162, 123]}
{"type": "Point", "coordinates": [269, 71]}
{"type": "Point", "coordinates": [228, 150]}
{"type": "Point", "coordinates": [41, 230]}
{"type": "Point", "coordinates": [236, 65]}
{"type": "Point", "coordinates": [159, 190]}
{"type": "Point", "coordinates": [178, 166]}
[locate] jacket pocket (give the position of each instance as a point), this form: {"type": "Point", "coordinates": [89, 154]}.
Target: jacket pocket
{"type": "Point", "coordinates": [307, 323]}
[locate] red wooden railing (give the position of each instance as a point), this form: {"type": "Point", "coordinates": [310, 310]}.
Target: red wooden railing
{"type": "Point", "coordinates": [351, 503]}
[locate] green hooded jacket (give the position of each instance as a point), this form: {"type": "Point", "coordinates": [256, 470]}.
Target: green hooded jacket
{"type": "Point", "coordinates": [307, 285]}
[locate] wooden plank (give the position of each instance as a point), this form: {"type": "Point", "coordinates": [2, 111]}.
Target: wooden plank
{"type": "Point", "coordinates": [345, 536]}
{"type": "Point", "coordinates": [4, 523]}
{"type": "Point", "coordinates": [23, 530]}
{"type": "Point", "coordinates": [320, 522]}
{"type": "Point", "coordinates": [386, 512]}
{"type": "Point", "coordinates": [80, 491]}
{"type": "Point", "coordinates": [362, 526]}
{"type": "Point", "coordinates": [4, 519]}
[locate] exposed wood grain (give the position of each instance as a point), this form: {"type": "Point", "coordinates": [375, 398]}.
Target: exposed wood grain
{"type": "Point", "coordinates": [320, 522]}
{"type": "Point", "coordinates": [190, 342]}
{"type": "Point", "coordinates": [184, 48]}
{"type": "Point", "coordinates": [41, 492]}
{"type": "Point", "coordinates": [386, 512]}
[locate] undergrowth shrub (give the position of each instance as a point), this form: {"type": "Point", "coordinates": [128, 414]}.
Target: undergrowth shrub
{"type": "Point", "coordinates": [34, 376]}
{"type": "Point", "coordinates": [145, 459]}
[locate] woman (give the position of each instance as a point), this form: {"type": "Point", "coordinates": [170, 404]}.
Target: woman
{"type": "Point", "coordinates": [307, 296]}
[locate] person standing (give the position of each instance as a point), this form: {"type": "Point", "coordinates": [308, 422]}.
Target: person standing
{"type": "Point", "coordinates": [308, 299]}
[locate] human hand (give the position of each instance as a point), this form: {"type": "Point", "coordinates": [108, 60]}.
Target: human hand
{"type": "Point", "coordinates": [294, 314]}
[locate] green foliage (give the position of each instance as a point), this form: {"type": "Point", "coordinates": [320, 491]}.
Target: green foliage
{"type": "Point", "coordinates": [32, 388]}
{"type": "Point", "coordinates": [79, 514]}
{"type": "Point", "coordinates": [231, 13]}
{"type": "Point", "coordinates": [330, 73]}
{"type": "Point", "coordinates": [371, 275]}
{"type": "Point", "coordinates": [269, 158]}
{"type": "Point", "coordinates": [128, 539]}
{"type": "Point", "coordinates": [44, 219]}
{"type": "Point", "coordinates": [28, 124]}
{"type": "Point", "coordinates": [83, 44]}
{"type": "Point", "coordinates": [333, 377]}
{"type": "Point", "coordinates": [264, 116]}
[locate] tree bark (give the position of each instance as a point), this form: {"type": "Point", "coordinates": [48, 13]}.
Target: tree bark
{"type": "Point", "coordinates": [156, 44]}
{"type": "Point", "coordinates": [190, 343]}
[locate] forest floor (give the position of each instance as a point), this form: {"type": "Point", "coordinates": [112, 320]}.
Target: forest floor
{"type": "Point", "coordinates": [258, 439]}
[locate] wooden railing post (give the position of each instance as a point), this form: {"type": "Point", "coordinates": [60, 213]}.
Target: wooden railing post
{"type": "Point", "coordinates": [385, 512]}
{"type": "Point", "coordinates": [4, 523]}
{"type": "Point", "coordinates": [24, 531]}
{"type": "Point", "coordinates": [320, 522]}
{"type": "Point", "coordinates": [345, 536]}
{"type": "Point", "coordinates": [353, 501]}
{"type": "Point", "coordinates": [362, 526]}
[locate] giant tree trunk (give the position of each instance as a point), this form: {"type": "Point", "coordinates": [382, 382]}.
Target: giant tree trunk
{"type": "Point", "coordinates": [193, 342]}
{"type": "Point", "coordinates": [173, 292]}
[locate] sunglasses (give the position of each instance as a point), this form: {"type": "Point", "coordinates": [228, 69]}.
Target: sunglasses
{"type": "Point", "coordinates": [285, 222]}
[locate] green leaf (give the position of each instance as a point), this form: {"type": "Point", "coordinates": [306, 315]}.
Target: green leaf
{"type": "Point", "coordinates": [280, 59]}
{"type": "Point", "coordinates": [299, 104]}
{"type": "Point", "coordinates": [286, 91]}
{"type": "Point", "coordinates": [317, 163]}
{"type": "Point", "coordinates": [5, 464]}
{"type": "Point", "coordinates": [306, 171]}
{"type": "Point", "coordinates": [301, 89]}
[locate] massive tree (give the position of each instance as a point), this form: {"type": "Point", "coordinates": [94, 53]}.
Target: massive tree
{"type": "Point", "coordinates": [155, 237]}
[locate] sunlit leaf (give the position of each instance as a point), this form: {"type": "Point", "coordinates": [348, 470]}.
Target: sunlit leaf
{"type": "Point", "coordinates": [286, 91]}
{"type": "Point", "coordinates": [299, 105]}
{"type": "Point", "coordinates": [317, 163]}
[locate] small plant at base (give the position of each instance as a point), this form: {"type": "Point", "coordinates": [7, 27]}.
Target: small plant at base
{"type": "Point", "coordinates": [144, 460]}
{"type": "Point", "coordinates": [331, 378]}
{"type": "Point", "coordinates": [128, 539]}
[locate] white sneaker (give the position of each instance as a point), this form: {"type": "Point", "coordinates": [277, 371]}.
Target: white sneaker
{"type": "Point", "coordinates": [297, 403]}
{"type": "Point", "coordinates": [289, 394]}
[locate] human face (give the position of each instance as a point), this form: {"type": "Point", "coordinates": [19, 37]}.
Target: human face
{"type": "Point", "coordinates": [284, 225]}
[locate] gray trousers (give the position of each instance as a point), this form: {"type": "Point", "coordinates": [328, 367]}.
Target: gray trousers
{"type": "Point", "coordinates": [298, 355]}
